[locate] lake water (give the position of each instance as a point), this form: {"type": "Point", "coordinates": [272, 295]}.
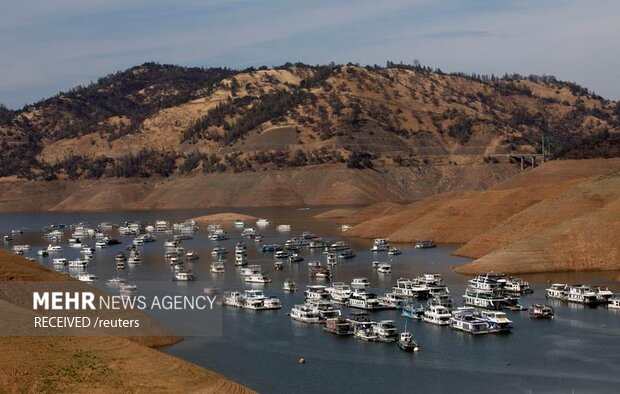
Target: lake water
{"type": "Point", "coordinates": [578, 351]}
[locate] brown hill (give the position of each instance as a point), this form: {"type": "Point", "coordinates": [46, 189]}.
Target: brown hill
{"type": "Point", "coordinates": [156, 120]}
{"type": "Point", "coordinates": [90, 364]}
{"type": "Point", "coordinates": [560, 216]}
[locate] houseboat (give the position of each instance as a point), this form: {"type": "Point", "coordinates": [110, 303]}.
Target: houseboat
{"type": "Point", "coordinates": [380, 245]}
{"type": "Point", "coordinates": [361, 299]}
{"type": "Point", "coordinates": [463, 319]}
{"type": "Point", "coordinates": [134, 258]}
{"type": "Point", "coordinates": [60, 261]}
{"type": "Point", "coordinates": [497, 321]}
{"type": "Point", "coordinates": [339, 326]}
{"type": "Point", "coordinates": [540, 311]}
{"type": "Point", "coordinates": [489, 282]}
{"type": "Point", "coordinates": [364, 331]}
{"type": "Point", "coordinates": [317, 244]}
{"type": "Point", "coordinates": [487, 299]}
{"type": "Point", "coordinates": [217, 267]}
{"type": "Point", "coordinates": [256, 299]}
{"type": "Point", "coordinates": [385, 330]}
{"type": "Point", "coordinates": [346, 254]}
{"type": "Point", "coordinates": [319, 272]}
{"type": "Point", "coordinates": [305, 314]}
{"type": "Point", "coordinates": [51, 248]}
{"type": "Point", "coordinates": [252, 269]}
{"type": "Point", "coordinates": [283, 228]}
{"type": "Point", "coordinates": [434, 283]}
{"type": "Point", "coordinates": [425, 244]}
{"type": "Point", "coordinates": [394, 251]}
{"type": "Point", "coordinates": [184, 276]}
{"type": "Point", "coordinates": [392, 301]}
{"type": "Point", "coordinates": [582, 295]}
{"type": "Point", "coordinates": [437, 314]}
{"type": "Point", "coordinates": [517, 286]}
{"type": "Point", "coordinates": [219, 251]}
{"type": "Point", "coordinates": [360, 282]}
{"type": "Point", "coordinates": [257, 278]}
{"type": "Point", "coordinates": [87, 277]}
{"type": "Point", "coordinates": [289, 285]}
{"type": "Point", "coordinates": [241, 258]}
{"type": "Point", "coordinates": [281, 254]}
{"type": "Point", "coordinates": [603, 294]}
{"type": "Point", "coordinates": [339, 292]}
{"type": "Point", "coordinates": [409, 288]}
{"type": "Point", "coordinates": [558, 291]}
{"type": "Point", "coordinates": [78, 263]}
{"type": "Point", "coordinates": [234, 299]}
{"type": "Point", "coordinates": [316, 292]}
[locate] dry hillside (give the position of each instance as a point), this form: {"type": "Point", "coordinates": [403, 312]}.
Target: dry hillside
{"type": "Point", "coordinates": [326, 184]}
{"type": "Point", "coordinates": [561, 216]}
{"type": "Point", "coordinates": [156, 120]}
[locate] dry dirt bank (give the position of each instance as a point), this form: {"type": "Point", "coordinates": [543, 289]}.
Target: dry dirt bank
{"type": "Point", "coordinates": [562, 216]}
{"type": "Point", "coordinates": [316, 185]}
{"type": "Point", "coordinates": [91, 364]}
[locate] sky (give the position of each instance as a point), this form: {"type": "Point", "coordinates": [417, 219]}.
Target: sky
{"type": "Point", "coordinates": [47, 46]}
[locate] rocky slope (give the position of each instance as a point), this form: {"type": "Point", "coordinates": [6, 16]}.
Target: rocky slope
{"type": "Point", "coordinates": [561, 216]}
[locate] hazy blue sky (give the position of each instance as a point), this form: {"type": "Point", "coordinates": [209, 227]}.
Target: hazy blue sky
{"type": "Point", "coordinates": [51, 45]}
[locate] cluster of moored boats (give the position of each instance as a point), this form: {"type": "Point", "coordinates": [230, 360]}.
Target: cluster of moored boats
{"type": "Point", "coordinates": [581, 294]}
{"type": "Point", "coordinates": [82, 233]}
{"type": "Point", "coordinates": [484, 301]}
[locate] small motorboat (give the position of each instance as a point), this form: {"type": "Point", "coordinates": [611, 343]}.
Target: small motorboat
{"type": "Point", "coordinates": [295, 258]}
{"type": "Point", "coordinates": [406, 342]}
{"type": "Point", "coordinates": [394, 251]}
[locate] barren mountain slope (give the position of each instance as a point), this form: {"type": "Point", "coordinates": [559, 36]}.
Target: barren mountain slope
{"type": "Point", "coordinates": [328, 184]}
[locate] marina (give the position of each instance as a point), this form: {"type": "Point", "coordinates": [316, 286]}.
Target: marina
{"type": "Point", "coordinates": [284, 338]}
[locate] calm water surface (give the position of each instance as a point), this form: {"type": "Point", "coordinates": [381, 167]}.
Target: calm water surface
{"type": "Point", "coordinates": [579, 351]}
